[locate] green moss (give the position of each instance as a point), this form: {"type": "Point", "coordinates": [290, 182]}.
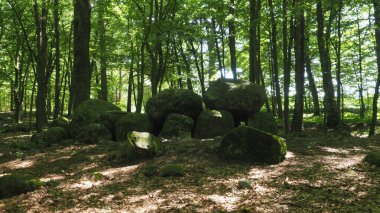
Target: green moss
{"type": "Point", "coordinates": [373, 158]}
{"type": "Point", "coordinates": [177, 125]}
{"type": "Point", "coordinates": [132, 122]}
{"type": "Point", "coordinates": [50, 136]}
{"type": "Point", "coordinates": [12, 185]}
{"type": "Point", "coordinates": [212, 123]}
{"type": "Point", "coordinates": [88, 112]}
{"type": "Point", "coordinates": [245, 184]}
{"type": "Point", "coordinates": [172, 170]}
{"type": "Point", "coordinates": [183, 102]}
{"type": "Point", "coordinates": [60, 122]}
{"type": "Point", "coordinates": [263, 121]}
{"type": "Point", "coordinates": [150, 170]}
{"type": "Point", "coordinates": [110, 118]}
{"type": "Point", "coordinates": [94, 133]}
{"type": "Point", "coordinates": [141, 145]}
{"type": "Point", "coordinates": [253, 145]}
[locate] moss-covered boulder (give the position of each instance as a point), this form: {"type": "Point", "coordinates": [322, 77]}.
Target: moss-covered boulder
{"type": "Point", "coordinates": [177, 125]}
{"type": "Point", "coordinates": [179, 101]}
{"type": "Point", "coordinates": [212, 123]}
{"type": "Point", "coordinates": [87, 113]}
{"type": "Point", "coordinates": [60, 122]}
{"type": "Point", "coordinates": [132, 122]}
{"type": "Point", "coordinates": [141, 145]}
{"type": "Point", "coordinates": [12, 185]}
{"type": "Point", "coordinates": [50, 136]}
{"type": "Point", "coordinates": [241, 98]}
{"type": "Point", "coordinates": [94, 133]}
{"type": "Point", "coordinates": [373, 158]}
{"type": "Point", "coordinates": [110, 118]}
{"type": "Point", "coordinates": [252, 145]}
{"type": "Point", "coordinates": [263, 121]}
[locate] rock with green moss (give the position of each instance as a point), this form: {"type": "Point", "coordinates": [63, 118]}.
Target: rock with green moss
{"type": "Point", "coordinates": [50, 136]}
{"type": "Point", "coordinates": [60, 122]}
{"type": "Point", "coordinates": [12, 185]}
{"type": "Point", "coordinates": [212, 123]}
{"type": "Point", "coordinates": [252, 145]}
{"type": "Point", "coordinates": [263, 121]}
{"type": "Point", "coordinates": [94, 133]}
{"type": "Point", "coordinates": [132, 122]}
{"type": "Point", "coordinates": [179, 101]}
{"type": "Point", "coordinates": [373, 158]}
{"type": "Point", "coordinates": [110, 118]}
{"type": "Point", "coordinates": [141, 145]}
{"type": "Point", "coordinates": [177, 125]}
{"type": "Point", "coordinates": [172, 170]}
{"type": "Point", "coordinates": [245, 184]}
{"type": "Point", "coordinates": [241, 98]}
{"type": "Point", "coordinates": [150, 170]}
{"type": "Point", "coordinates": [87, 113]}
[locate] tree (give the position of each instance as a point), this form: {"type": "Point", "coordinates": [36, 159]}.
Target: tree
{"type": "Point", "coordinates": [323, 36]}
{"type": "Point", "coordinates": [82, 68]}
{"type": "Point", "coordinates": [57, 60]}
{"type": "Point", "coordinates": [102, 7]}
{"type": "Point", "coordinates": [232, 38]}
{"type": "Point", "coordinates": [299, 48]}
{"type": "Point", "coordinates": [376, 6]}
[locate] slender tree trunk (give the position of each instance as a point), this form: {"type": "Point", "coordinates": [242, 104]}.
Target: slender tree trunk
{"type": "Point", "coordinates": [130, 80]}
{"type": "Point", "coordinates": [103, 50]}
{"type": "Point", "coordinates": [332, 116]}
{"type": "Point", "coordinates": [287, 67]}
{"type": "Point", "coordinates": [232, 38]}
{"type": "Point", "coordinates": [299, 48]}
{"type": "Point", "coordinates": [254, 8]}
{"type": "Point", "coordinates": [82, 69]}
{"type": "Point", "coordinates": [310, 76]}
{"type": "Point", "coordinates": [338, 65]}
{"type": "Point", "coordinates": [360, 85]}
{"type": "Point", "coordinates": [217, 50]}
{"type": "Point", "coordinates": [42, 39]}
{"type": "Point", "coordinates": [275, 61]}
{"type": "Point", "coordinates": [57, 60]}
{"type": "Point", "coordinates": [376, 5]}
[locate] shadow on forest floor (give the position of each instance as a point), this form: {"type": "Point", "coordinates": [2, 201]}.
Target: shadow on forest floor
{"type": "Point", "coordinates": [322, 172]}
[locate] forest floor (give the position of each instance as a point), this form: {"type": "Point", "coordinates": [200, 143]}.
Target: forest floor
{"type": "Point", "coordinates": [322, 172]}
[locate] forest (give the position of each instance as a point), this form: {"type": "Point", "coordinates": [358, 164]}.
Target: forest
{"type": "Point", "coordinates": [189, 106]}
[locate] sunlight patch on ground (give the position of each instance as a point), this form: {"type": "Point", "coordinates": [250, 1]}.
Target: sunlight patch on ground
{"type": "Point", "coordinates": [12, 137]}
{"type": "Point", "coordinates": [227, 202]}
{"type": "Point", "coordinates": [60, 158]}
{"type": "Point", "coordinates": [342, 163]}
{"type": "Point", "coordinates": [112, 172]}
{"type": "Point", "coordinates": [18, 164]}
{"type": "Point", "coordinates": [52, 177]}
{"type": "Point", "coordinates": [85, 184]}
{"type": "Point", "coordinates": [333, 150]}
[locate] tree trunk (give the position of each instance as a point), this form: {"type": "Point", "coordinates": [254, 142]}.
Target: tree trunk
{"type": "Point", "coordinates": [232, 38]}
{"type": "Point", "coordinates": [299, 48]}
{"type": "Point", "coordinates": [103, 50]}
{"type": "Point", "coordinates": [376, 5]}
{"type": "Point", "coordinates": [332, 116]}
{"type": "Point", "coordinates": [57, 61]}
{"type": "Point", "coordinates": [130, 80]}
{"type": "Point", "coordinates": [338, 65]}
{"type": "Point", "coordinates": [253, 40]}
{"type": "Point", "coordinates": [360, 85]}
{"type": "Point", "coordinates": [42, 39]}
{"type": "Point", "coordinates": [275, 60]}
{"type": "Point", "coordinates": [82, 69]}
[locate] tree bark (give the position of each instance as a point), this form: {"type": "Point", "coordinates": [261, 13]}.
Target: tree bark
{"type": "Point", "coordinates": [103, 50]}
{"type": "Point", "coordinates": [232, 38]}
{"type": "Point", "coordinates": [376, 5]}
{"type": "Point", "coordinates": [332, 116]}
{"type": "Point", "coordinates": [57, 60]}
{"type": "Point", "coordinates": [299, 48]}
{"type": "Point", "coordinates": [82, 69]}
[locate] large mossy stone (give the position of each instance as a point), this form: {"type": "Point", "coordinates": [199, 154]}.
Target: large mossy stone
{"type": "Point", "coordinates": [50, 136]}
{"type": "Point", "coordinates": [110, 118]}
{"type": "Point", "coordinates": [87, 113]}
{"type": "Point", "coordinates": [60, 122]}
{"type": "Point", "coordinates": [241, 98]}
{"type": "Point", "coordinates": [212, 123]}
{"type": "Point", "coordinates": [263, 121]}
{"type": "Point", "coordinates": [171, 170]}
{"type": "Point", "coordinates": [141, 145]}
{"type": "Point", "coordinates": [179, 101]}
{"type": "Point", "coordinates": [177, 125]}
{"type": "Point", "coordinates": [373, 158]}
{"type": "Point", "coordinates": [252, 145]}
{"type": "Point", "coordinates": [12, 185]}
{"type": "Point", "coordinates": [132, 122]}
{"type": "Point", "coordinates": [94, 133]}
